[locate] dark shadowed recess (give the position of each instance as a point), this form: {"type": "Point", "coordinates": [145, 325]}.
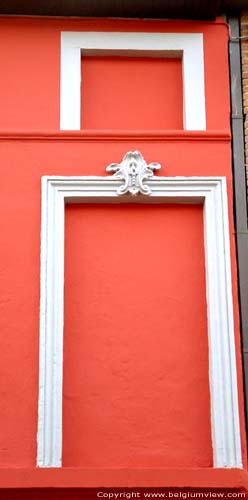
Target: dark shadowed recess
{"type": "Point", "coordinates": [174, 9]}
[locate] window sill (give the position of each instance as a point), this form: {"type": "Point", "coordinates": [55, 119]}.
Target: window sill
{"type": "Point", "coordinates": [116, 135]}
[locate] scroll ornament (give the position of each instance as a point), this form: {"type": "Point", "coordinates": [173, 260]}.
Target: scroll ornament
{"type": "Point", "coordinates": [133, 171]}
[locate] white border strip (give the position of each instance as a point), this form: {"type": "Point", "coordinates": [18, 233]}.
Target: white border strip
{"type": "Point", "coordinates": [209, 191]}
{"type": "Point", "coordinates": [188, 45]}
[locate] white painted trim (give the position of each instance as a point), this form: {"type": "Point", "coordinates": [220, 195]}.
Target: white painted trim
{"type": "Point", "coordinates": [188, 45]}
{"type": "Point", "coordinates": [209, 191]}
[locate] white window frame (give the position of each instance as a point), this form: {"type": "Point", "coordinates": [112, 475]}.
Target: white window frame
{"type": "Point", "coordinates": [212, 194]}
{"type": "Point", "coordinates": [189, 46]}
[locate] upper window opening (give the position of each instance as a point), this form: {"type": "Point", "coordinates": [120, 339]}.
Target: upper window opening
{"type": "Point", "coordinates": [128, 93]}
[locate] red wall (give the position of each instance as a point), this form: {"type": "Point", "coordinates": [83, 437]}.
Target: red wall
{"type": "Point", "coordinates": [30, 56]}
{"type": "Point", "coordinates": [161, 400]}
{"type": "Point", "coordinates": [136, 364]}
{"type": "Point", "coordinates": [132, 93]}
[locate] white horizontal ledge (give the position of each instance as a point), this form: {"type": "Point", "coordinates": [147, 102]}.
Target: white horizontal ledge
{"type": "Point", "coordinates": [88, 184]}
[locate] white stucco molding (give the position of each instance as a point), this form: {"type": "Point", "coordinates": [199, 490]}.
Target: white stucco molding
{"type": "Point", "coordinates": [189, 46]}
{"type": "Point", "coordinates": [133, 171]}
{"type": "Point", "coordinates": [211, 193]}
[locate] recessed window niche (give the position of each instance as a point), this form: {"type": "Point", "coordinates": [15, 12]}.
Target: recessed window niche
{"type": "Point", "coordinates": [131, 93]}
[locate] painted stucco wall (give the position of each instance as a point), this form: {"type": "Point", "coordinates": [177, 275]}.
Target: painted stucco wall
{"type": "Point", "coordinates": [32, 146]}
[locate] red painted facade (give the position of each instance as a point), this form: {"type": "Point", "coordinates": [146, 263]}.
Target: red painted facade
{"type": "Point", "coordinates": [136, 391]}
